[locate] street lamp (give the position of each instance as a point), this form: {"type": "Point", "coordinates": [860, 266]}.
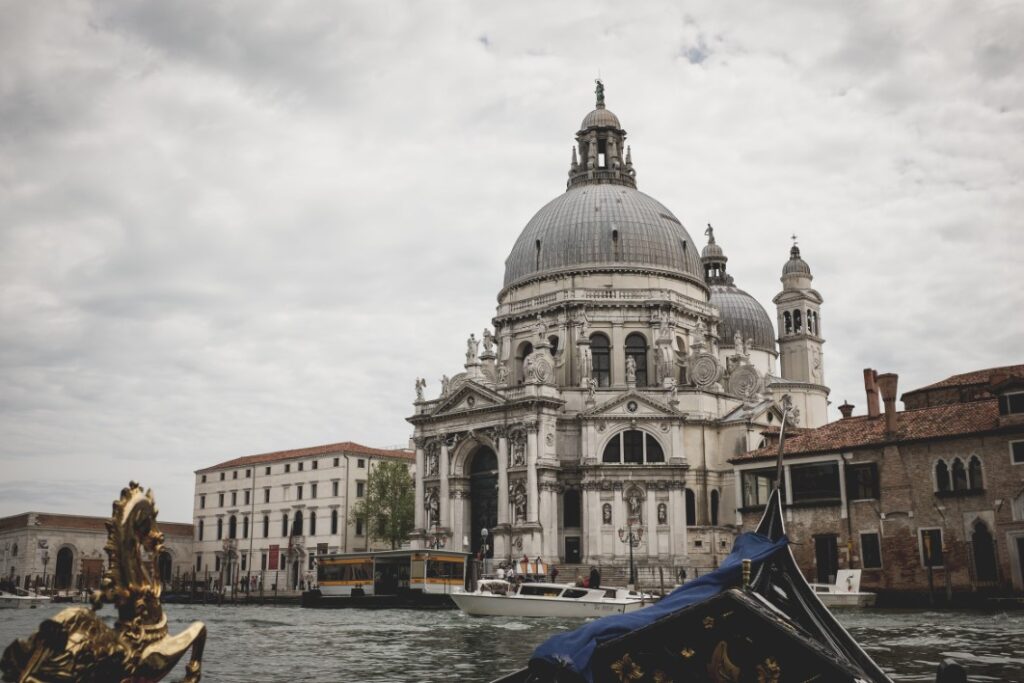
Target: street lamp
{"type": "Point", "coordinates": [632, 534]}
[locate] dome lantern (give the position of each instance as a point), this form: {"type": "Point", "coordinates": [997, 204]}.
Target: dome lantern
{"type": "Point", "coordinates": [603, 155]}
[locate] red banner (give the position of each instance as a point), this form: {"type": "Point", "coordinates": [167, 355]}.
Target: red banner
{"type": "Point", "coordinates": [275, 551]}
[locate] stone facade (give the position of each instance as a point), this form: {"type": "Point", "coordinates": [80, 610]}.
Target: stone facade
{"type": "Point", "coordinates": [606, 396]}
{"type": "Point", "coordinates": [66, 551]}
{"type": "Point", "coordinates": [943, 475]}
{"type": "Point", "coordinates": [301, 501]}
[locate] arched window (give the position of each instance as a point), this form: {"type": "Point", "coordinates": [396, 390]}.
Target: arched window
{"type": "Point", "coordinates": [817, 327]}
{"type": "Point", "coordinates": [633, 447]}
{"type": "Point", "coordinates": [14, 548]}
{"type": "Point", "coordinates": [297, 524]}
{"type": "Point", "coordinates": [553, 341]}
{"type": "Point", "coordinates": [789, 322]}
{"type": "Point", "coordinates": [810, 322]}
{"type": "Point", "coordinates": [312, 523]}
{"type": "Point", "coordinates": [284, 524]}
{"type": "Point", "coordinates": [601, 360]}
{"type": "Point", "coordinates": [974, 474]}
{"type": "Point", "coordinates": [266, 526]}
{"type": "Point", "coordinates": [636, 348]}
{"type": "Point", "coordinates": [714, 508]}
{"type": "Point", "coordinates": [959, 475]}
{"type": "Point", "coordinates": [525, 349]}
{"type": "Point", "coordinates": [245, 527]}
{"type": "Point", "coordinates": [200, 530]}
{"type": "Point", "coordinates": [220, 529]}
{"type": "Point", "coordinates": [691, 508]}
{"type": "Point", "coordinates": [571, 508]}
{"type": "Point", "coordinates": [334, 522]}
{"type": "Point", "coordinates": [941, 477]}
{"type": "Point", "coordinates": [797, 322]}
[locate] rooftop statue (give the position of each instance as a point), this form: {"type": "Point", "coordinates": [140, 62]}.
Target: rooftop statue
{"type": "Point", "coordinates": [599, 91]}
{"type": "Point", "coordinates": [75, 644]}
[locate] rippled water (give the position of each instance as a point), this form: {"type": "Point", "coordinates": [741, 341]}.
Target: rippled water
{"type": "Point", "coordinates": [270, 644]}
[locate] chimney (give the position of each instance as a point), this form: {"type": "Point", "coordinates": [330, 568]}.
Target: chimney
{"type": "Point", "coordinates": [846, 409]}
{"type": "Point", "coordinates": [871, 387]}
{"type": "Point", "coordinates": [887, 385]}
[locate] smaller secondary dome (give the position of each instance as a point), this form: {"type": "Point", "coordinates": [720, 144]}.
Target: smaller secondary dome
{"type": "Point", "coordinates": [600, 118]}
{"type": "Point", "coordinates": [796, 265]}
{"type": "Point", "coordinates": [742, 313]}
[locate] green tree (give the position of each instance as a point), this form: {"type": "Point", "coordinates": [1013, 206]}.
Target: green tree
{"type": "Point", "coordinates": [387, 507]}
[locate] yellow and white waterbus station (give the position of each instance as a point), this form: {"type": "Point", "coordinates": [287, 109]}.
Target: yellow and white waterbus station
{"type": "Point", "coordinates": [389, 576]}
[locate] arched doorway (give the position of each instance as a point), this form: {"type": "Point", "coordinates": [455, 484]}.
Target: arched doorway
{"type": "Point", "coordinates": [984, 553]}
{"type": "Point", "coordinates": [63, 569]}
{"type": "Point", "coordinates": [483, 497]}
{"type": "Point", "coordinates": [164, 566]}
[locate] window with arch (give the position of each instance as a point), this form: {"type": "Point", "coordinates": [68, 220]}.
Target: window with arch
{"type": "Point", "coordinates": [974, 478]}
{"type": "Point", "coordinates": [691, 508]}
{"type": "Point", "coordinates": [284, 524]}
{"type": "Point", "coordinates": [942, 477]}
{"type": "Point", "coordinates": [798, 324]}
{"type": "Point", "coordinates": [312, 523]}
{"type": "Point", "coordinates": [220, 529]}
{"type": "Point", "coordinates": [571, 508]}
{"type": "Point", "coordinates": [633, 447]}
{"type": "Point", "coordinates": [334, 521]}
{"type": "Point", "coordinates": [959, 475]}
{"type": "Point", "coordinates": [297, 524]}
{"type": "Point", "coordinates": [266, 526]}
{"type": "Point", "coordinates": [601, 360]}
{"type": "Point", "coordinates": [810, 321]}
{"type": "Point", "coordinates": [553, 341]}
{"type": "Point", "coordinates": [245, 527]}
{"type": "Point", "coordinates": [713, 507]}
{"type": "Point", "coordinates": [525, 349]}
{"type": "Point", "coordinates": [788, 320]}
{"type": "Point", "coordinates": [199, 535]}
{"type": "Point", "coordinates": [232, 527]}
{"type": "Point", "coordinates": [636, 348]}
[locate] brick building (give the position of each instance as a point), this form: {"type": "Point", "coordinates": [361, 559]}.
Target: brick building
{"type": "Point", "coordinates": [931, 497]}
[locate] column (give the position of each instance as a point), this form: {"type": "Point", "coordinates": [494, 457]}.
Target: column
{"type": "Point", "coordinates": [445, 502]}
{"type": "Point", "coordinates": [651, 522]}
{"type": "Point", "coordinates": [618, 359]}
{"type": "Point", "coordinates": [531, 474]}
{"type": "Point", "coordinates": [503, 480]}
{"type": "Point", "coordinates": [420, 465]}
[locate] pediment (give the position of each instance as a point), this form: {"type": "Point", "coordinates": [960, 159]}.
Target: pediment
{"type": "Point", "coordinates": [469, 396]}
{"type": "Point", "coordinates": [756, 412]}
{"type": "Point", "coordinates": [631, 404]}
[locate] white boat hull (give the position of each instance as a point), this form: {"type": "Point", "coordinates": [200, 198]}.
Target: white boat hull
{"type": "Point", "coordinates": [847, 599]}
{"type": "Point", "coordinates": [479, 605]}
{"type": "Point", "coordinates": [8, 601]}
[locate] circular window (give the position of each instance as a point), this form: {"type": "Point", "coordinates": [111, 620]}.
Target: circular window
{"type": "Point", "coordinates": [632, 406]}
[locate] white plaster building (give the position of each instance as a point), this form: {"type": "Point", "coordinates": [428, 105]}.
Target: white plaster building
{"type": "Point", "coordinates": [66, 551]}
{"type": "Point", "coordinates": [265, 517]}
{"type": "Point", "coordinates": [624, 369]}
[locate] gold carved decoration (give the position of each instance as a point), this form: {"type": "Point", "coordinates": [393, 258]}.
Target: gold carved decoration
{"type": "Point", "coordinates": [75, 645]}
{"type": "Point", "coordinates": [721, 669]}
{"type": "Point", "coordinates": [661, 677]}
{"type": "Point", "coordinates": [709, 622]}
{"type": "Point", "coordinates": [769, 671]}
{"type": "Point", "coordinates": [686, 653]}
{"type": "Point", "coordinates": [627, 670]}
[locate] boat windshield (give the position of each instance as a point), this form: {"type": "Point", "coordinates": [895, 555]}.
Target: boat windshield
{"type": "Point", "coordinates": [540, 590]}
{"type": "Point", "coordinates": [574, 593]}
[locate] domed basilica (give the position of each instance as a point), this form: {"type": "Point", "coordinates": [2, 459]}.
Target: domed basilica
{"type": "Point", "coordinates": [624, 370]}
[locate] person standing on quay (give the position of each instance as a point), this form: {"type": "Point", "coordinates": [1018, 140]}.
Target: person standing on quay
{"type": "Point", "coordinates": [554, 573]}
{"type": "Point", "coordinates": [595, 578]}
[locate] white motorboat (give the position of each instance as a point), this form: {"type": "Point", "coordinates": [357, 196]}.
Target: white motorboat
{"type": "Point", "coordinates": [21, 599]}
{"type": "Point", "coordinates": [845, 592]}
{"type": "Point", "coordinates": [499, 598]}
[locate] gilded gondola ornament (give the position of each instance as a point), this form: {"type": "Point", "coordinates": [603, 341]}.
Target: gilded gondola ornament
{"type": "Point", "coordinates": [627, 670]}
{"type": "Point", "coordinates": [769, 671]}
{"type": "Point", "coordinates": [75, 644]}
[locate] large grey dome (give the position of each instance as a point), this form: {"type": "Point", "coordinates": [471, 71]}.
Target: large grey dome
{"type": "Point", "coordinates": [741, 312]}
{"type": "Point", "coordinates": [602, 226]}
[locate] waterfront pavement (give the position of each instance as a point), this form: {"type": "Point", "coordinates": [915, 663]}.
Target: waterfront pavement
{"type": "Point", "coordinates": [286, 643]}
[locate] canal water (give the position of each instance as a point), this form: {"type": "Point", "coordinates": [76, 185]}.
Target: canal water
{"type": "Point", "coordinates": [270, 644]}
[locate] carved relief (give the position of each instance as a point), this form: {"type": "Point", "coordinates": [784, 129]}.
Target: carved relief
{"type": "Point", "coordinates": [433, 508]}
{"type": "Point", "coordinates": [517, 446]}
{"type": "Point", "coordinates": [606, 514]}
{"type": "Point", "coordinates": [662, 513]}
{"type": "Point", "coordinates": [517, 496]}
{"type": "Point", "coordinates": [634, 504]}
{"type": "Point", "coordinates": [745, 382]}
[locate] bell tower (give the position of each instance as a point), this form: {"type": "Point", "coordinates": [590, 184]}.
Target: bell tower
{"type": "Point", "coordinates": [799, 323]}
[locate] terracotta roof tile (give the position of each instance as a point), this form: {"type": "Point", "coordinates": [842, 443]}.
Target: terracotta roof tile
{"type": "Point", "coordinates": [345, 447]}
{"type": "Point", "coordinates": [933, 422]}
{"type": "Point", "coordinates": [50, 520]}
{"type": "Point", "coordinates": [975, 377]}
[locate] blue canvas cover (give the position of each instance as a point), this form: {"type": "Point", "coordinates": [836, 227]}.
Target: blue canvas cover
{"type": "Point", "coordinates": [573, 650]}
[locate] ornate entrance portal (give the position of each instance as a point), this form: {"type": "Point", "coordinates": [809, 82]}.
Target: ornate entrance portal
{"type": "Point", "coordinates": [483, 497]}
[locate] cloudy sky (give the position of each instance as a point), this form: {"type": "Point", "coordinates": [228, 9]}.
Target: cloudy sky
{"type": "Point", "coordinates": [231, 228]}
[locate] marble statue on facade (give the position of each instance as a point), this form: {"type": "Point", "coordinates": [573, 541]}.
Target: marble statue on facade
{"type": "Point", "coordinates": [662, 514]}
{"type": "Point", "coordinates": [606, 514]}
{"type": "Point", "coordinates": [472, 349]}
{"type": "Point", "coordinates": [582, 323]}
{"type": "Point", "coordinates": [445, 382]}
{"type": "Point", "coordinates": [584, 362]}
{"type": "Point", "coordinates": [540, 328]}
{"type": "Point", "coordinates": [503, 374]}
{"type": "Point", "coordinates": [488, 341]}
{"type": "Point", "coordinates": [421, 384]}
{"type": "Point", "coordinates": [519, 504]}
{"type": "Point", "coordinates": [518, 442]}
{"type": "Point", "coordinates": [591, 388]}
{"type": "Point", "coordinates": [432, 461]}
{"type": "Point", "coordinates": [634, 502]}
{"type": "Point", "coordinates": [433, 510]}
{"type": "Point", "coordinates": [630, 370]}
